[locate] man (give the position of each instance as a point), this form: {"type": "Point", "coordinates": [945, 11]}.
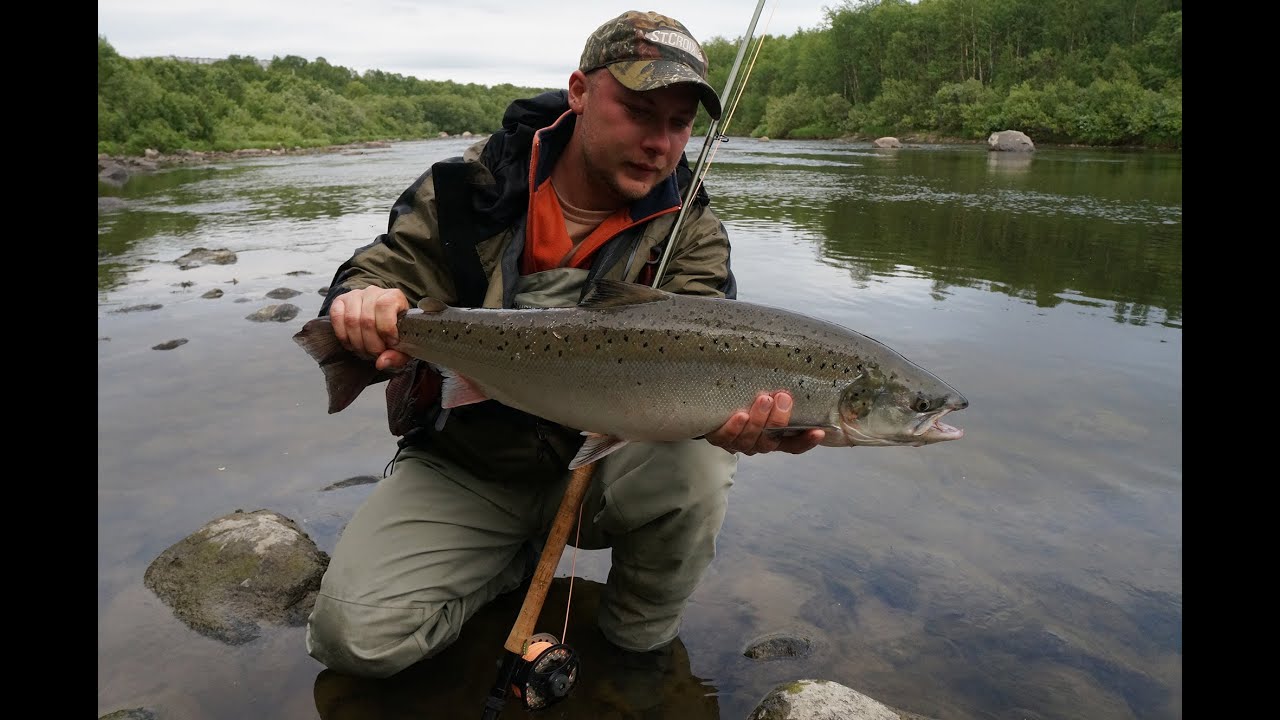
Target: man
{"type": "Point", "coordinates": [578, 185]}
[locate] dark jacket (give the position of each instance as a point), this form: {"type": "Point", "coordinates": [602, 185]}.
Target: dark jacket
{"type": "Point", "coordinates": [457, 233]}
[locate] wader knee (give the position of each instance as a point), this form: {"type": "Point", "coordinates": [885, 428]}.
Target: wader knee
{"type": "Point", "coordinates": [663, 507]}
{"type": "Point", "coordinates": [371, 641]}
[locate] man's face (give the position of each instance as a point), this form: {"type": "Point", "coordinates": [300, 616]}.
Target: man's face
{"type": "Point", "coordinates": [631, 141]}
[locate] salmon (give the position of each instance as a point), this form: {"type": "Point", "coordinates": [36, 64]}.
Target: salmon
{"type": "Point", "coordinates": [631, 363]}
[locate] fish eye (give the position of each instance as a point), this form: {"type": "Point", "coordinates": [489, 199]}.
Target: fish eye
{"type": "Point", "coordinates": [920, 405]}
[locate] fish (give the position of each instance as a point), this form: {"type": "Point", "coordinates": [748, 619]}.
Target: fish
{"type": "Point", "coordinates": [632, 363]}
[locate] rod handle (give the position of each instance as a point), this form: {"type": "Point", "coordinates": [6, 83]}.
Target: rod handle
{"type": "Point", "coordinates": [550, 560]}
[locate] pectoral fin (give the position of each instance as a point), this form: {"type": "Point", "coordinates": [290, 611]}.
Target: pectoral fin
{"type": "Point", "coordinates": [457, 390]}
{"type": "Point", "coordinates": [596, 447]}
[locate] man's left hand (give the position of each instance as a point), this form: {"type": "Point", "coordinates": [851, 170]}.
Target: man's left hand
{"type": "Point", "coordinates": [744, 432]}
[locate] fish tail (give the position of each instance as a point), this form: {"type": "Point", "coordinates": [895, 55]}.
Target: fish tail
{"type": "Point", "coordinates": [346, 374]}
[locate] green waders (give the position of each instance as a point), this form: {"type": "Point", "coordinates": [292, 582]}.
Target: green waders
{"type": "Point", "coordinates": [434, 543]}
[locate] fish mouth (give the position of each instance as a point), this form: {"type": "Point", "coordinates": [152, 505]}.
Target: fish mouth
{"type": "Point", "coordinates": [927, 430]}
{"type": "Point", "coordinates": [934, 430]}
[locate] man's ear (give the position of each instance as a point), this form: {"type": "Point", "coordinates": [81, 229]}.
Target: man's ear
{"type": "Point", "coordinates": [578, 86]}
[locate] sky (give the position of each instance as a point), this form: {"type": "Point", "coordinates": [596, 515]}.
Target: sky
{"type": "Point", "coordinates": [488, 42]}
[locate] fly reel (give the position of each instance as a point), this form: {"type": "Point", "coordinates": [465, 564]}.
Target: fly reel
{"type": "Point", "coordinates": [548, 671]}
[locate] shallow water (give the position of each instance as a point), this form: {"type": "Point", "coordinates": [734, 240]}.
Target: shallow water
{"type": "Point", "coordinates": [1032, 569]}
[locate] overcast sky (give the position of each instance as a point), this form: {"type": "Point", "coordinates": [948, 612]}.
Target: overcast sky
{"type": "Point", "coordinates": [532, 43]}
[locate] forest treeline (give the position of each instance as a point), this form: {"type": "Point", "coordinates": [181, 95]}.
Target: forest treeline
{"type": "Point", "coordinates": [1091, 72]}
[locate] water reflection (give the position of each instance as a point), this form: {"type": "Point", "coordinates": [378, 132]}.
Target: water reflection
{"type": "Point", "coordinates": [453, 684]}
{"type": "Point", "coordinates": [1106, 230]}
{"type": "Point", "coordinates": [1013, 163]}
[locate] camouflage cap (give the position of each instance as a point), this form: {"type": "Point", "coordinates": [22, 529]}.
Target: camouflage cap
{"type": "Point", "coordinates": [647, 51]}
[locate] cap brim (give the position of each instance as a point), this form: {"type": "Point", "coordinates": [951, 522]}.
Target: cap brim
{"type": "Point", "coordinates": [642, 75]}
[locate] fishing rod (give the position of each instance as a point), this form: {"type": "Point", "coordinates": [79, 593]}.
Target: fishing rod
{"type": "Point", "coordinates": [713, 135]}
{"type": "Point", "coordinates": [538, 668]}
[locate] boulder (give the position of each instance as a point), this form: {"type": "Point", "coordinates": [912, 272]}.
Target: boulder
{"type": "Point", "coordinates": [1010, 141]}
{"type": "Point", "coordinates": [237, 571]}
{"type": "Point", "coordinates": [824, 700]}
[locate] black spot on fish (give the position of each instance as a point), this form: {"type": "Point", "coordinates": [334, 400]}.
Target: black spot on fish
{"type": "Point", "coordinates": [619, 361]}
{"type": "Point", "coordinates": [662, 349]}
{"type": "Point", "coordinates": [547, 348]}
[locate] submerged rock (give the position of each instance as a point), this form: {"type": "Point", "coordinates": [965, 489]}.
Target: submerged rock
{"type": "Point", "coordinates": [146, 307]}
{"type": "Point", "coordinates": [775, 647]}
{"type": "Point", "coordinates": [204, 256]}
{"type": "Point", "coordinates": [138, 713]}
{"type": "Point", "coordinates": [283, 312]}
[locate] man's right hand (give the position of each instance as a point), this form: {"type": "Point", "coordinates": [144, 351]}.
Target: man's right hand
{"type": "Point", "coordinates": [365, 322]}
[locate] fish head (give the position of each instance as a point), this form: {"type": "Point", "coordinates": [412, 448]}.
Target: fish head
{"type": "Point", "coordinates": [892, 408]}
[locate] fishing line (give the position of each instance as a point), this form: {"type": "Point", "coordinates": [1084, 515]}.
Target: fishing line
{"type": "Point", "coordinates": [733, 107]}
{"type": "Point", "coordinates": [573, 563]}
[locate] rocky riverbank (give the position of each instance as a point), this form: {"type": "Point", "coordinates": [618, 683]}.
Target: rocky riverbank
{"type": "Point", "coordinates": [116, 169]}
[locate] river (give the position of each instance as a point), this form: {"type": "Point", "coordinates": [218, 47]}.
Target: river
{"type": "Point", "coordinates": [1032, 569]}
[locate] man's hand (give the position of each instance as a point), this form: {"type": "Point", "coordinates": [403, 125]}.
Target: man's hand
{"type": "Point", "coordinates": [744, 431]}
{"type": "Point", "coordinates": [365, 322]}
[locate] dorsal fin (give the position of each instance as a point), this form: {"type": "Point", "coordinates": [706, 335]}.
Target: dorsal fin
{"type": "Point", "coordinates": [614, 293]}
{"type": "Point", "coordinates": [432, 305]}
